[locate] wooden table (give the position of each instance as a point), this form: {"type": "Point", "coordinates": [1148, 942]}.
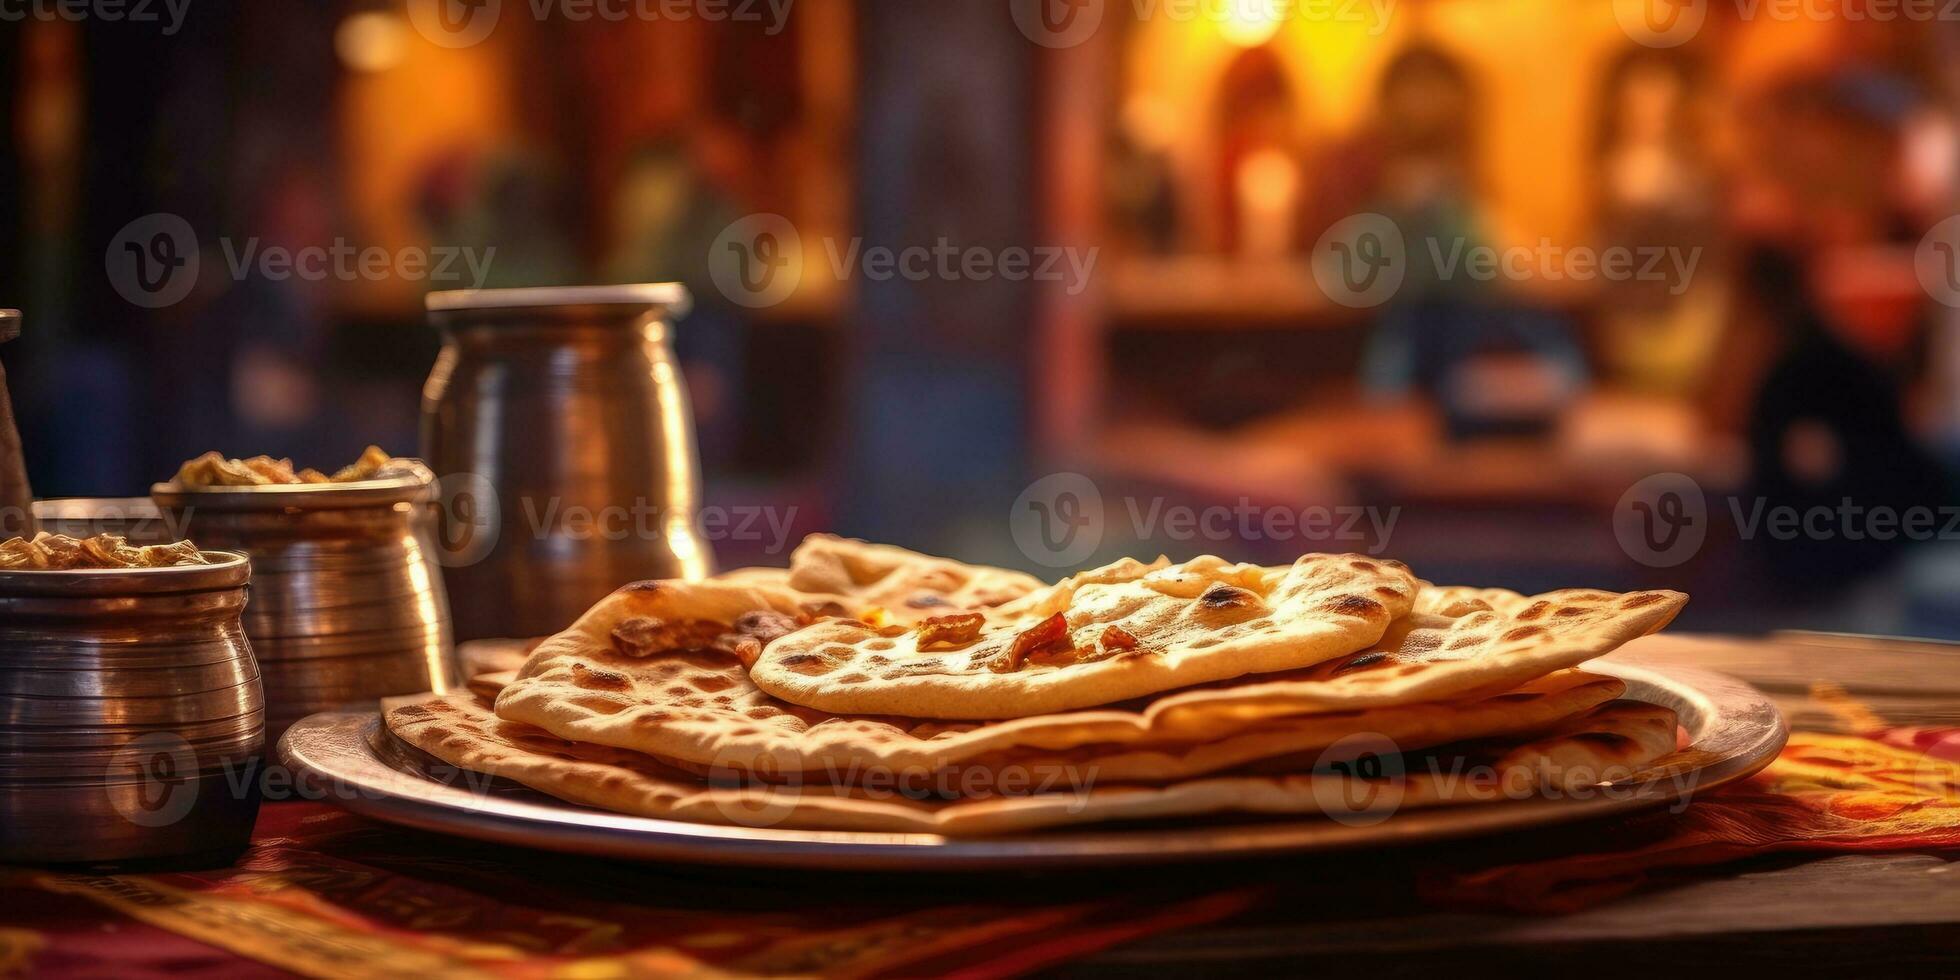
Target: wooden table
{"type": "Point", "coordinates": [1859, 915]}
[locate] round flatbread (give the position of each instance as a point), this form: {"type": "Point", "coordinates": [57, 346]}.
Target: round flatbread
{"type": "Point", "coordinates": [699, 708]}
{"type": "Point", "coordinates": [1606, 745]}
{"type": "Point", "coordinates": [1110, 635]}
{"type": "Point", "coordinates": [1458, 643]}
{"type": "Point", "coordinates": [907, 584]}
{"type": "Point", "coordinates": [696, 712]}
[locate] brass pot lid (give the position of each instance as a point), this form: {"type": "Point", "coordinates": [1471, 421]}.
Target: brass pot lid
{"type": "Point", "coordinates": [228, 570]}
{"type": "Point", "coordinates": [415, 483]}
{"type": "Point", "coordinates": [670, 297]}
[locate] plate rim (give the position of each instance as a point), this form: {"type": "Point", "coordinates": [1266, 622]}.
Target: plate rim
{"type": "Point", "coordinates": [1736, 731]}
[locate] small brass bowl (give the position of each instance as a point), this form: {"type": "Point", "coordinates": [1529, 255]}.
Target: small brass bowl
{"type": "Point", "coordinates": [132, 722]}
{"type": "Point", "coordinates": [348, 605]}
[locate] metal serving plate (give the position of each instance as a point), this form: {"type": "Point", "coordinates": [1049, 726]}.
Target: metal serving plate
{"type": "Point", "coordinates": [1733, 729]}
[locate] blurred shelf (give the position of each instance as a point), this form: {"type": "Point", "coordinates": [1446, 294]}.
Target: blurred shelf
{"type": "Point", "coordinates": [1215, 465]}
{"type": "Point", "coordinates": [1219, 291]}
{"type": "Point", "coordinates": [1400, 453]}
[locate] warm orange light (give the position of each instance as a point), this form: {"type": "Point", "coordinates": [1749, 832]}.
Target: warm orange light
{"type": "Point", "coordinates": [1151, 122]}
{"type": "Point", "coordinates": [1268, 184]}
{"type": "Point", "coordinates": [1251, 23]}
{"type": "Point", "coordinates": [371, 41]}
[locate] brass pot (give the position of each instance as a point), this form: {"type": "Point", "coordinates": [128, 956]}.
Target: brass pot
{"type": "Point", "coordinates": [347, 599]}
{"type": "Point", "coordinates": [131, 715]}
{"type": "Point", "coordinates": [558, 423]}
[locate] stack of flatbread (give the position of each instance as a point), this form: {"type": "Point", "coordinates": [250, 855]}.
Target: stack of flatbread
{"type": "Point", "coordinates": [871, 688]}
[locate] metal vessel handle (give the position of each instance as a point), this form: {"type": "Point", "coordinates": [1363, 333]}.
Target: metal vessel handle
{"type": "Point", "coordinates": [16, 495]}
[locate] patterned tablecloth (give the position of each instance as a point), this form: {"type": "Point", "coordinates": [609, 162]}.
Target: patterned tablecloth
{"type": "Point", "coordinates": [323, 892]}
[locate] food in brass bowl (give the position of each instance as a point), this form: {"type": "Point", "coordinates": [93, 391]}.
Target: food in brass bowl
{"type": "Point", "coordinates": [108, 650]}
{"type": "Point", "coordinates": [918, 694]}
{"type": "Point", "coordinates": [348, 603]}
{"type": "Point", "coordinates": [60, 553]}
{"type": "Point", "coordinates": [214, 470]}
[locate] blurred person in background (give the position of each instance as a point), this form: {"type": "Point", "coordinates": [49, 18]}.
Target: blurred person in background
{"type": "Point", "coordinates": [1496, 363]}
{"type": "Point", "coordinates": [1828, 272]}
{"type": "Point", "coordinates": [668, 211]}
{"type": "Point", "coordinates": [1425, 182]}
{"type": "Point", "coordinates": [1658, 189]}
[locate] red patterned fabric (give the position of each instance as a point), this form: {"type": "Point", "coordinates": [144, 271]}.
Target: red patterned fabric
{"type": "Point", "coordinates": [1896, 790]}
{"type": "Point", "coordinates": [326, 893]}
{"type": "Point", "coordinates": [323, 892]}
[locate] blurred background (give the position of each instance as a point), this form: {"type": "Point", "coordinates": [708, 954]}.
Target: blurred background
{"type": "Point", "coordinates": [1718, 238]}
